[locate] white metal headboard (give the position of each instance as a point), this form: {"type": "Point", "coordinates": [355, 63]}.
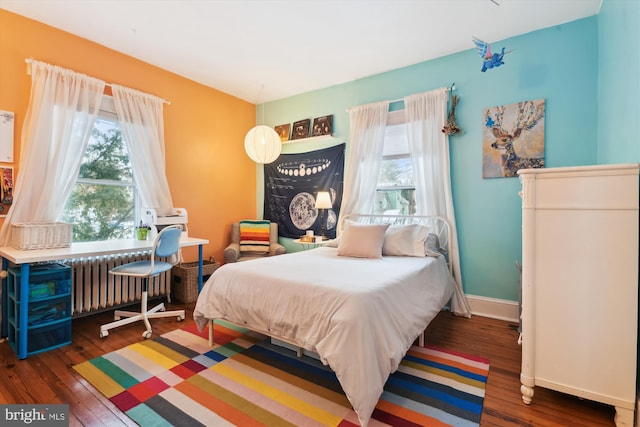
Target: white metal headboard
{"type": "Point", "coordinates": [437, 225]}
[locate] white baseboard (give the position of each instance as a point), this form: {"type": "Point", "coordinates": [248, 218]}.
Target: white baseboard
{"type": "Point", "coordinates": [494, 308]}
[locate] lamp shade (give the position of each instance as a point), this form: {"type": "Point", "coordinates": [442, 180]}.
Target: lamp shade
{"type": "Point", "coordinates": [323, 200]}
{"type": "Point", "coordinates": [262, 144]}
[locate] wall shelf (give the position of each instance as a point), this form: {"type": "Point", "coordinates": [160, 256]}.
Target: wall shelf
{"type": "Point", "coordinates": [312, 138]}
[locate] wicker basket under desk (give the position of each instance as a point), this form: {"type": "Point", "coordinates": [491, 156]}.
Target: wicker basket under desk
{"type": "Point", "coordinates": [184, 279]}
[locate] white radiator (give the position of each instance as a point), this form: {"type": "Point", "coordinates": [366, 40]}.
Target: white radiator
{"type": "Point", "coordinates": [94, 289]}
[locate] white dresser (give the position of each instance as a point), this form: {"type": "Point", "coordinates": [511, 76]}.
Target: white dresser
{"type": "Point", "coordinates": [580, 283]}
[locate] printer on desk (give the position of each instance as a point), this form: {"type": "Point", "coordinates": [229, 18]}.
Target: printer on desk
{"type": "Point", "coordinates": [158, 220]}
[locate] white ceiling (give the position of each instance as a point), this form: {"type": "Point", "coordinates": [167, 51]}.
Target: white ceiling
{"type": "Point", "coordinates": [263, 50]}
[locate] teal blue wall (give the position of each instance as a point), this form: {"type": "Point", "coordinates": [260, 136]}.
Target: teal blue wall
{"type": "Point", "coordinates": [619, 82]}
{"type": "Point", "coordinates": [559, 64]}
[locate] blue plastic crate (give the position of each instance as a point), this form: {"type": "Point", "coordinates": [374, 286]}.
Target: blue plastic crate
{"type": "Point", "coordinates": [43, 338]}
{"type": "Point", "coordinates": [45, 280]}
{"type": "Point", "coordinates": [47, 323]}
{"type": "Point", "coordinates": [48, 311]}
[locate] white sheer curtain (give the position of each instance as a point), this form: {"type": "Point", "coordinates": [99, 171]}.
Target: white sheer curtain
{"type": "Point", "coordinates": [62, 110]}
{"type": "Point", "coordinates": [366, 141]}
{"type": "Point", "coordinates": [426, 113]}
{"type": "Point", "coordinates": [141, 120]}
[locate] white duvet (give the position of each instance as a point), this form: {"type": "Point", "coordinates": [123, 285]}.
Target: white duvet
{"type": "Point", "coordinates": [360, 315]}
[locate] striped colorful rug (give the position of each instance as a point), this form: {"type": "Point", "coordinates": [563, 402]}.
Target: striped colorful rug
{"type": "Point", "coordinates": [244, 380]}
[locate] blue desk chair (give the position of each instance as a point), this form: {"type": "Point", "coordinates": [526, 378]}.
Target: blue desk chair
{"type": "Point", "coordinates": [166, 245]}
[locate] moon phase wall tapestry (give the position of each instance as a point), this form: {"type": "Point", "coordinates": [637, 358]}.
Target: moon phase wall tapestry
{"type": "Point", "coordinates": [291, 184]}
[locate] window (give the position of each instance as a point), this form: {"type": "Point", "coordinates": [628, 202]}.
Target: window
{"type": "Point", "coordinates": [395, 193]}
{"type": "Point", "coordinates": [103, 204]}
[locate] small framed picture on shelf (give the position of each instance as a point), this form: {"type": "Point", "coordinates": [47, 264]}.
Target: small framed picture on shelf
{"type": "Point", "coordinates": [283, 131]}
{"type": "Point", "coordinates": [322, 125]}
{"type": "Point", "coordinates": [300, 129]}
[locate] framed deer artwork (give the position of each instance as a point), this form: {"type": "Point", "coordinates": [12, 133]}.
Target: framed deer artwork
{"type": "Point", "coordinates": [513, 138]}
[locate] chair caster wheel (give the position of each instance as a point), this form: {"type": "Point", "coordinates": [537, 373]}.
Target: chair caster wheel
{"type": "Point", "coordinates": [104, 334]}
{"type": "Point", "coordinates": [146, 334]}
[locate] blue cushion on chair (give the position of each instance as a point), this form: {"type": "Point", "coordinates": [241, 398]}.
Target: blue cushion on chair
{"type": "Point", "coordinates": [141, 268]}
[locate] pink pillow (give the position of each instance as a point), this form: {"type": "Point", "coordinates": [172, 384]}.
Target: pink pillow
{"type": "Point", "coordinates": [362, 240]}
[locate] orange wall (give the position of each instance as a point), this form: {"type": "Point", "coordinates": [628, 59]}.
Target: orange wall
{"type": "Point", "coordinates": [207, 168]}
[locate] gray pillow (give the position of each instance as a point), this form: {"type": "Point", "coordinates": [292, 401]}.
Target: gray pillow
{"type": "Point", "coordinates": [432, 246]}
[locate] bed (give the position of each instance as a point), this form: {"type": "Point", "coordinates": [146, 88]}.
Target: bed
{"type": "Point", "coordinates": [351, 302]}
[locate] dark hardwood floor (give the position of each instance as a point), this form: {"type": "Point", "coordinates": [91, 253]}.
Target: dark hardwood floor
{"type": "Point", "coordinates": [49, 377]}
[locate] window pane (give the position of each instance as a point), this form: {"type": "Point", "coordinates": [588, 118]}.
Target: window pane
{"type": "Point", "coordinates": [102, 204]}
{"type": "Point", "coordinates": [101, 212]}
{"type": "Point", "coordinates": [396, 172]}
{"type": "Point", "coordinates": [106, 156]}
{"type": "Point", "coordinates": [395, 202]}
{"type": "Point", "coordinates": [396, 188]}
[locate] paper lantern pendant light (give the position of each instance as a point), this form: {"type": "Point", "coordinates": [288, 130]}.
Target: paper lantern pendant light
{"type": "Point", "coordinates": [262, 144]}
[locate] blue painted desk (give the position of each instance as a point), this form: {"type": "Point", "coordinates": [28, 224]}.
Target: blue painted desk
{"type": "Point", "coordinates": [24, 258]}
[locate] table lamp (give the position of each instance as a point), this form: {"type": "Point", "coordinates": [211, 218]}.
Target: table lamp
{"type": "Point", "coordinates": [323, 201]}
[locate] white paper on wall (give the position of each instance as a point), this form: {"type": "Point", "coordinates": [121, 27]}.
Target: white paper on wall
{"type": "Point", "coordinates": [6, 136]}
